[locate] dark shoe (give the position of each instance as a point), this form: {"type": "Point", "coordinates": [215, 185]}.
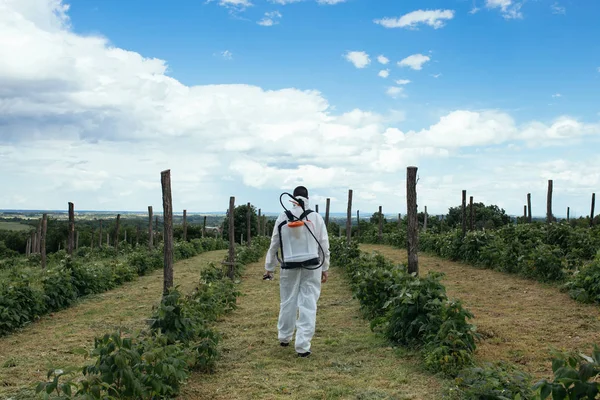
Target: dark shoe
{"type": "Point", "coordinates": [304, 355]}
{"type": "Point", "coordinates": [284, 344]}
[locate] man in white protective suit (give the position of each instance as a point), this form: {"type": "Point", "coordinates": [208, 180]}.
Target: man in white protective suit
{"type": "Point", "coordinates": [301, 241]}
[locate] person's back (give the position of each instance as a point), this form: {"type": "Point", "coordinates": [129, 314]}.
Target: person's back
{"type": "Point", "coordinates": [303, 246]}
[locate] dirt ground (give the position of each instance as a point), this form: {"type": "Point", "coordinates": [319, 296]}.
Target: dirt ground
{"type": "Point", "coordinates": [520, 319]}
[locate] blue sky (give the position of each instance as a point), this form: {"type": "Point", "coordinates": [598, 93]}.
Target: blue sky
{"type": "Point", "coordinates": [493, 96]}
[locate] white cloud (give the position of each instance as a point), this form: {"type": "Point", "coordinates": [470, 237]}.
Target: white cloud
{"type": "Point", "coordinates": [360, 59]}
{"type": "Point", "coordinates": [383, 59]}
{"type": "Point", "coordinates": [433, 18]}
{"type": "Point", "coordinates": [509, 8]}
{"type": "Point", "coordinates": [558, 9]}
{"type": "Point", "coordinates": [322, 2]}
{"type": "Point", "coordinates": [85, 121]}
{"type": "Point", "coordinates": [270, 18]}
{"type": "Point", "coordinates": [414, 61]}
{"type": "Point", "coordinates": [474, 10]}
{"type": "Point", "coordinates": [402, 82]}
{"type": "Point", "coordinates": [556, 95]}
{"type": "Point", "coordinates": [238, 5]}
{"type": "Point", "coordinates": [384, 73]}
{"type": "Point", "coordinates": [436, 75]}
{"type": "Point", "coordinates": [330, 2]}
{"type": "Point", "coordinates": [395, 91]}
{"type": "Point", "coordinates": [228, 55]}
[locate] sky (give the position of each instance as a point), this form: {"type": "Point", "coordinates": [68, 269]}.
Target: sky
{"type": "Point", "coordinates": [249, 98]}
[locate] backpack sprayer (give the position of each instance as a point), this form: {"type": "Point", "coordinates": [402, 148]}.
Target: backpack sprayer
{"type": "Point", "coordinates": [294, 222]}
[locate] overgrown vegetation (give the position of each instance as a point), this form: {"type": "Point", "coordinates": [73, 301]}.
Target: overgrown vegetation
{"type": "Point", "coordinates": [28, 293]}
{"type": "Point", "coordinates": [154, 363]}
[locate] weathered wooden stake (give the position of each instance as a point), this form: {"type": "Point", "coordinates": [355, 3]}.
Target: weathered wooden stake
{"type": "Point", "coordinates": [358, 223]}
{"type": "Point", "coordinates": [184, 225]}
{"type": "Point", "coordinates": [204, 227]}
{"type": "Point", "coordinates": [529, 219]}
{"type": "Point", "coordinates": [150, 236]}
{"type": "Point", "coordinates": [125, 236]}
{"type": "Point", "coordinates": [167, 229]}
{"type": "Point", "coordinates": [231, 258]}
{"type": "Point", "coordinates": [248, 222]}
{"type": "Point", "coordinates": [137, 236]}
{"type": "Point", "coordinates": [568, 213]}
{"type": "Point", "coordinates": [258, 230]}
{"type": "Point", "coordinates": [117, 228]}
{"type": "Point", "coordinates": [399, 220]}
{"type": "Point", "coordinates": [76, 240]}
{"type": "Point", "coordinates": [472, 216]}
{"type": "Point", "coordinates": [328, 202]}
{"type": "Point", "coordinates": [71, 228]}
{"type": "Point", "coordinates": [525, 213]}
{"type": "Point", "coordinates": [157, 234]}
{"type": "Point", "coordinates": [349, 218]}
{"type": "Point", "coordinates": [592, 211]}
{"type": "Point", "coordinates": [28, 247]}
{"type": "Point", "coordinates": [33, 242]}
{"type": "Point", "coordinates": [107, 239]}
{"type": "Point", "coordinates": [39, 238]}
{"type": "Point", "coordinates": [43, 239]}
{"type": "Point", "coordinates": [425, 220]}
{"type": "Point", "coordinates": [549, 217]}
{"type": "Point", "coordinates": [413, 222]}
{"type": "Point", "coordinates": [380, 233]}
{"type": "Point", "coordinates": [464, 213]}
{"type": "Point", "coordinates": [100, 235]}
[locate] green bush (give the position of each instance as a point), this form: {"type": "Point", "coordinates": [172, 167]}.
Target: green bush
{"type": "Point", "coordinates": [585, 284]}
{"type": "Point", "coordinates": [58, 287]}
{"type": "Point", "coordinates": [499, 381]}
{"type": "Point", "coordinates": [19, 304]}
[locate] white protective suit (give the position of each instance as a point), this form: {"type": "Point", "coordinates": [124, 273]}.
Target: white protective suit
{"type": "Point", "coordinates": [299, 288]}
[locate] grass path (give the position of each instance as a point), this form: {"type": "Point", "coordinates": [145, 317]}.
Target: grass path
{"type": "Point", "coordinates": [348, 360]}
{"type": "Point", "coordinates": [26, 355]}
{"type": "Point", "coordinates": [520, 319]}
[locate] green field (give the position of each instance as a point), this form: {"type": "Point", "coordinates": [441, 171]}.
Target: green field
{"type": "Point", "coordinates": [13, 226]}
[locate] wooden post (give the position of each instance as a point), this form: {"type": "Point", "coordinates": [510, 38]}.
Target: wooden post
{"type": "Point", "coordinates": [568, 213]}
{"type": "Point", "coordinates": [464, 213]}
{"type": "Point", "coordinates": [150, 237]}
{"type": "Point", "coordinates": [340, 232]}
{"type": "Point", "coordinates": [100, 235]}
{"type": "Point", "coordinates": [529, 207]}
{"type": "Point", "coordinates": [43, 239]}
{"type": "Point", "coordinates": [592, 211]}
{"type": "Point", "coordinates": [231, 258]}
{"type": "Point", "coordinates": [28, 247]}
{"type": "Point", "coordinates": [317, 208]}
{"type": "Point", "coordinates": [327, 213]}
{"type": "Point", "coordinates": [38, 239]}
{"type": "Point", "coordinates": [549, 217]}
{"type": "Point", "coordinates": [248, 222]}
{"type": "Point", "coordinates": [525, 213]}
{"type": "Point", "coordinates": [76, 240]}
{"type": "Point", "coordinates": [358, 223]}
{"type": "Point", "coordinates": [380, 233]}
{"type": "Point", "coordinates": [425, 220]}
{"type": "Point", "coordinates": [184, 225]}
{"type": "Point", "coordinates": [58, 246]}
{"type": "Point", "coordinates": [71, 228]}
{"type": "Point", "coordinates": [472, 217]}
{"type": "Point", "coordinates": [125, 235]}
{"type": "Point", "coordinates": [117, 228]}
{"type": "Point", "coordinates": [107, 239]}
{"type": "Point", "coordinates": [413, 222]}
{"type": "Point", "coordinates": [137, 236]}
{"type": "Point", "coordinates": [204, 227]}
{"type": "Point", "coordinates": [349, 218]}
{"type": "Point", "coordinates": [168, 230]}
{"type": "Point", "coordinates": [33, 243]}
{"type": "Point", "coordinates": [258, 223]}
{"type": "Point", "coordinates": [157, 234]}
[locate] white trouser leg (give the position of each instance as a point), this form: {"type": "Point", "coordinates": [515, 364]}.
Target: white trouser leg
{"type": "Point", "coordinates": [310, 290]}
{"type": "Point", "coordinates": [289, 285]}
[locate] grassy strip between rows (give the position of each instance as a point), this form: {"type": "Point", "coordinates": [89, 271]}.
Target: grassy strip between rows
{"type": "Point", "coordinates": [152, 363]}
{"type": "Point", "coordinates": [415, 312]}
{"type": "Point", "coordinates": [25, 295]}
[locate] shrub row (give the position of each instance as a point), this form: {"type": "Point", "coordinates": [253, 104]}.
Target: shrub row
{"type": "Point", "coordinates": [415, 312]}
{"type": "Point", "coordinates": [546, 252]}
{"type": "Point", "coordinates": [411, 311]}
{"type": "Point", "coordinates": [26, 297]}
{"type": "Point", "coordinates": [154, 363]}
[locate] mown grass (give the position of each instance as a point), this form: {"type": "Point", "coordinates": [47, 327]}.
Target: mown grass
{"type": "Point", "coordinates": [348, 360]}
{"type": "Point", "coordinates": [26, 355]}
{"type": "Point", "coordinates": [520, 319]}
{"type": "Point", "coordinates": [14, 226]}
